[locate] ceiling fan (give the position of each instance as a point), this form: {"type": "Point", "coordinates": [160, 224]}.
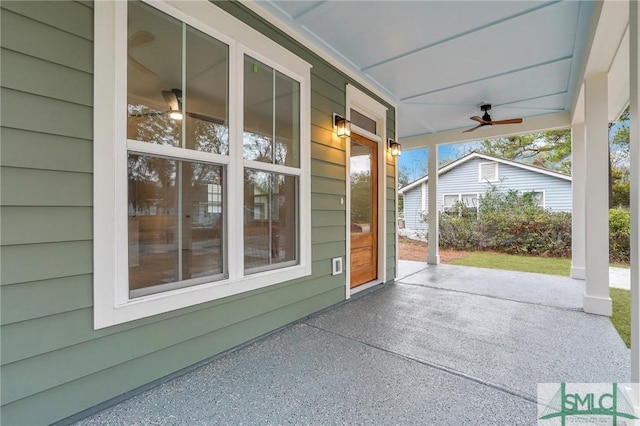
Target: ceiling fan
{"type": "Point", "coordinates": [486, 120]}
{"type": "Point", "coordinates": [173, 98]}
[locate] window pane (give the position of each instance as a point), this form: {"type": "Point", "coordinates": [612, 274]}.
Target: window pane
{"type": "Point", "coordinates": [271, 112]}
{"type": "Point", "coordinates": [174, 234]}
{"type": "Point", "coordinates": [363, 121]}
{"type": "Point", "coordinates": [206, 100]}
{"type": "Point", "coordinates": [158, 110]}
{"type": "Point", "coordinates": [362, 187]}
{"type": "Point", "coordinates": [287, 107]}
{"type": "Point", "coordinates": [270, 206]}
{"type": "Point", "coordinates": [202, 231]}
{"type": "Point", "coordinates": [258, 111]}
{"type": "Point", "coordinates": [154, 65]}
{"type": "Point", "coordinates": [153, 209]}
{"type": "Point", "coordinates": [470, 200]}
{"type": "Point", "coordinates": [450, 200]}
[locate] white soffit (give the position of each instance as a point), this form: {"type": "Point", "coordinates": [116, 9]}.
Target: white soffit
{"type": "Point", "coordinates": [441, 59]}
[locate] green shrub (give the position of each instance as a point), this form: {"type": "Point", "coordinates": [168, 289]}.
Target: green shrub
{"type": "Point", "coordinates": [619, 235]}
{"type": "Point", "coordinates": [511, 222]}
{"type": "Point", "coordinates": [508, 222]}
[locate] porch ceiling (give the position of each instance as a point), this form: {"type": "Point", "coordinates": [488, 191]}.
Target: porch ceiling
{"type": "Point", "coordinates": [439, 60]}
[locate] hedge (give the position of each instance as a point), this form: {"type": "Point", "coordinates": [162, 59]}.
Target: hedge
{"type": "Point", "coordinates": [511, 222]}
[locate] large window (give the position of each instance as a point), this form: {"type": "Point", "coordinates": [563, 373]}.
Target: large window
{"type": "Point", "coordinates": [177, 97]}
{"type": "Point", "coordinates": [201, 159]}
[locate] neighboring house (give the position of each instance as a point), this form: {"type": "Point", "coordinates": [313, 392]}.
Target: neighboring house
{"type": "Point", "coordinates": [467, 178]}
{"type": "Point", "coordinates": [172, 203]}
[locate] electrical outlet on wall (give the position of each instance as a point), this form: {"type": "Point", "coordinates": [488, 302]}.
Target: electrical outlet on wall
{"type": "Point", "coordinates": [336, 266]}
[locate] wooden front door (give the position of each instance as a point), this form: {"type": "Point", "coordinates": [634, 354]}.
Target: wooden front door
{"type": "Point", "coordinates": [364, 210]}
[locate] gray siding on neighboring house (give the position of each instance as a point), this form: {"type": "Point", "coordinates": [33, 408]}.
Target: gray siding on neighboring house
{"type": "Point", "coordinates": [413, 208]}
{"type": "Point", "coordinates": [53, 362]}
{"type": "Point", "coordinates": [464, 179]}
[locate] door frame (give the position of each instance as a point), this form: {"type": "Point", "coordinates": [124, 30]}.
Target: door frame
{"type": "Point", "coordinates": [366, 105]}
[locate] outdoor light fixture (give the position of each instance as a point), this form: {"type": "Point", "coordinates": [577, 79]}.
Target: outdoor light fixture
{"type": "Point", "coordinates": [395, 148]}
{"type": "Point", "coordinates": [342, 125]}
{"type": "Point", "coordinates": [175, 114]}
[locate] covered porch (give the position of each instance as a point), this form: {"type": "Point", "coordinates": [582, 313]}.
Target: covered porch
{"type": "Point", "coordinates": [556, 64]}
{"type": "Point", "coordinates": [441, 345]}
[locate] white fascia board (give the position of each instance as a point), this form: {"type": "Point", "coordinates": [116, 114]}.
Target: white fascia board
{"type": "Point", "coordinates": [529, 125]}
{"type": "Point", "coordinates": [312, 45]}
{"type": "Point", "coordinates": [511, 163]}
{"type": "Point", "coordinates": [413, 184]}
{"type": "Point", "coordinates": [473, 155]}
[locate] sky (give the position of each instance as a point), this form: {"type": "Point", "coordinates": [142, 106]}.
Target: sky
{"type": "Point", "coordinates": [414, 161]}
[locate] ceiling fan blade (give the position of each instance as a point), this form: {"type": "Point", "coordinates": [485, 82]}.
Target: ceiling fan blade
{"type": "Point", "coordinates": [473, 128]}
{"type": "Point", "coordinates": [510, 121]}
{"type": "Point", "coordinates": [171, 99]}
{"type": "Point", "coordinates": [210, 119]}
{"type": "Point", "coordinates": [476, 118]}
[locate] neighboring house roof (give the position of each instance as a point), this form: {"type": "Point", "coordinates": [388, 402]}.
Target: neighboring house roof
{"type": "Point", "coordinates": [474, 155]}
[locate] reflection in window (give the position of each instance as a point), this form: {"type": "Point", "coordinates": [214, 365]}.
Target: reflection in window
{"type": "Point", "coordinates": [214, 198]}
{"type": "Point", "coordinates": [271, 113]}
{"type": "Point", "coordinates": [270, 206]}
{"type": "Point", "coordinates": [165, 105]}
{"type": "Point", "coordinates": [362, 187]}
{"type": "Point", "coordinates": [173, 234]}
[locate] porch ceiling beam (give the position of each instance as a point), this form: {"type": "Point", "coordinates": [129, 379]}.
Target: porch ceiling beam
{"type": "Point", "coordinates": [529, 125]}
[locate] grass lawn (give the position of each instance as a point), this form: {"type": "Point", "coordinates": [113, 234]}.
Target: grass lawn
{"type": "Point", "coordinates": [621, 298]}
{"type": "Point", "coordinates": [511, 262]}
{"type": "Point", "coordinates": [621, 317]}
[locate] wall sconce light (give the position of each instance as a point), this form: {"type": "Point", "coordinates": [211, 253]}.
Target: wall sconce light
{"type": "Point", "coordinates": [395, 148]}
{"type": "Point", "coordinates": [342, 125]}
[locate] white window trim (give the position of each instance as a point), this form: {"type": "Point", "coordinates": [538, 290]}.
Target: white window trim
{"type": "Point", "coordinates": [495, 177]}
{"type": "Point", "coordinates": [111, 296]}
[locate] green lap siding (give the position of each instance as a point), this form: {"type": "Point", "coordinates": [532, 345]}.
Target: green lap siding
{"type": "Point", "coordinates": [54, 364]}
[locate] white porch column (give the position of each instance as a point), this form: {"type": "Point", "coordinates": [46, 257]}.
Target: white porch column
{"type": "Point", "coordinates": [634, 68]}
{"type": "Point", "coordinates": [433, 257]}
{"type": "Point", "coordinates": [596, 295]}
{"type": "Point", "coordinates": [578, 189]}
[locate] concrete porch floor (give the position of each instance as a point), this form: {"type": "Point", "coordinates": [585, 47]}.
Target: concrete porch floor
{"type": "Point", "coordinates": [442, 345]}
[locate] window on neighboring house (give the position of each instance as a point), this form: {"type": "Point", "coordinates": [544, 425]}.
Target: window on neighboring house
{"type": "Point", "coordinates": [488, 172]}
{"type": "Point", "coordinates": [450, 201]}
{"type": "Point", "coordinates": [539, 197]}
{"type": "Point", "coordinates": [185, 165]}
{"type": "Point", "coordinates": [469, 200]}
{"type": "Point", "coordinates": [456, 203]}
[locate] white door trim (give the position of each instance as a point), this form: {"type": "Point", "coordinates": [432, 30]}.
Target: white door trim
{"type": "Point", "coordinates": [364, 104]}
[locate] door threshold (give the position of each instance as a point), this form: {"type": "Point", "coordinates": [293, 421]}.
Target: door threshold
{"type": "Point", "coordinates": [364, 286]}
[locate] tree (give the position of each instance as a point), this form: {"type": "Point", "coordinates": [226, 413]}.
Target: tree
{"type": "Point", "coordinates": [550, 150]}
{"type": "Point", "coordinates": [619, 161]}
